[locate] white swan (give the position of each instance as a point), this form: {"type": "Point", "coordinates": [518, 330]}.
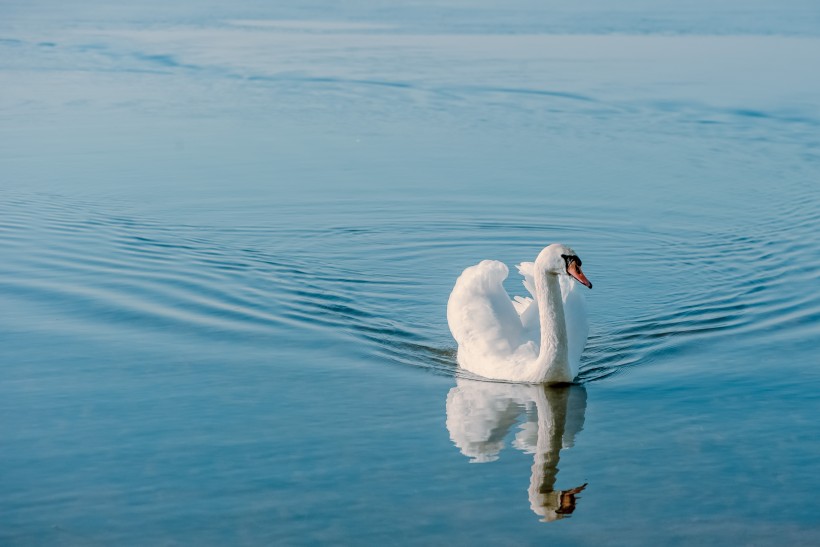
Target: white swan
{"type": "Point", "coordinates": [521, 340]}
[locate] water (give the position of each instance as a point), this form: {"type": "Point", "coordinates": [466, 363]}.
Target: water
{"type": "Point", "coordinates": [228, 234]}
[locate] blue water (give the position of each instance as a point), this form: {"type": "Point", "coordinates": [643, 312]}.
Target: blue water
{"type": "Point", "coordinates": [228, 233]}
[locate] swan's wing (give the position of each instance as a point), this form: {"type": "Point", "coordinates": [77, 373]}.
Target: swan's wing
{"type": "Point", "coordinates": [480, 313]}
{"type": "Point", "coordinates": [527, 271]}
{"type": "Point", "coordinates": [521, 304]}
{"type": "Point", "coordinates": [575, 315]}
{"type": "Point", "coordinates": [526, 306]}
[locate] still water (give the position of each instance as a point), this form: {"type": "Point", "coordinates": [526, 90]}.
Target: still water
{"type": "Point", "coordinates": [228, 235]}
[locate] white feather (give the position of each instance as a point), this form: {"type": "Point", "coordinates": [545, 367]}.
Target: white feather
{"type": "Point", "coordinates": [500, 337]}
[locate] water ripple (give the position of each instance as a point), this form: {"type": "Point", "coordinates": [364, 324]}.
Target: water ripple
{"type": "Point", "coordinates": [98, 271]}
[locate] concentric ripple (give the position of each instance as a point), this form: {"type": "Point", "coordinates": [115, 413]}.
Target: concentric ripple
{"type": "Point", "coordinates": [74, 268]}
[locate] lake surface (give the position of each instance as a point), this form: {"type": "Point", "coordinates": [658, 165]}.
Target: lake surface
{"type": "Point", "coordinates": [228, 233]}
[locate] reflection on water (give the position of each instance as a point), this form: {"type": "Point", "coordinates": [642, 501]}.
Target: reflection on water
{"type": "Point", "coordinates": [480, 415]}
{"type": "Point", "coordinates": [228, 235]}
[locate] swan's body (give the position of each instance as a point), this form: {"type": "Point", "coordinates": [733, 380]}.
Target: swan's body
{"type": "Point", "coordinates": [532, 340]}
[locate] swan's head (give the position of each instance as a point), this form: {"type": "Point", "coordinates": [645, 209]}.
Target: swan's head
{"type": "Point", "coordinates": [561, 260]}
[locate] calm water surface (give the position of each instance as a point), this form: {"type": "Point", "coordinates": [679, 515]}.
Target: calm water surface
{"type": "Point", "coordinates": [228, 234]}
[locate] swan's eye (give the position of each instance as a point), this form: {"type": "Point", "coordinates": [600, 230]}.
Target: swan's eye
{"type": "Point", "coordinates": [569, 259]}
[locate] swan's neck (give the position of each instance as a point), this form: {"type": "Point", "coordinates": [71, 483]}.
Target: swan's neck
{"type": "Point", "coordinates": [552, 364]}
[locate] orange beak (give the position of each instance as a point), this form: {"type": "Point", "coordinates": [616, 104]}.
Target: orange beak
{"type": "Point", "coordinates": [575, 271]}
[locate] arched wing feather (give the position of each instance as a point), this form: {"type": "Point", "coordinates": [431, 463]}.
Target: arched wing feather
{"type": "Point", "coordinates": [480, 313]}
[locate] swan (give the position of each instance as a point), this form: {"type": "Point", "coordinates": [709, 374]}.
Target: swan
{"type": "Point", "coordinates": [528, 340]}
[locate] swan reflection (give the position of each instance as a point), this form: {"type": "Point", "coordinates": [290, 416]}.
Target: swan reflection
{"type": "Point", "coordinates": [480, 414]}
